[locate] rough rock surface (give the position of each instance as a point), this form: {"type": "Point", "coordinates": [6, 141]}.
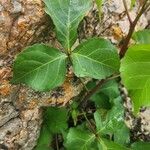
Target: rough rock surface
{"type": "Point", "coordinates": [23, 23]}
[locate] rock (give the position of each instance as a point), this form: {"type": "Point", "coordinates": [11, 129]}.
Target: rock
{"type": "Point", "coordinates": [21, 132]}
{"type": "Point", "coordinates": [21, 22]}
{"type": "Point", "coordinates": [7, 112]}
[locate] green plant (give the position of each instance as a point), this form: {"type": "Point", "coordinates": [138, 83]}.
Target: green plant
{"type": "Point", "coordinates": [43, 68]}
{"type": "Point", "coordinates": [97, 54]}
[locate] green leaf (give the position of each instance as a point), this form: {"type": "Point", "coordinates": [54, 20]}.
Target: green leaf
{"type": "Point", "coordinates": [113, 123]}
{"type": "Point", "coordinates": [135, 74]}
{"type": "Point", "coordinates": [122, 135]}
{"type": "Point", "coordinates": [96, 58]}
{"type": "Point", "coordinates": [104, 97]}
{"type": "Point", "coordinates": [114, 120]}
{"type": "Point", "coordinates": [101, 101]}
{"type": "Point", "coordinates": [79, 139]}
{"type": "Point", "coordinates": [142, 37]}
{"type": "Point", "coordinates": [98, 120]}
{"type": "Point", "coordinates": [110, 145]}
{"type": "Point", "coordinates": [56, 119]}
{"type": "Point", "coordinates": [110, 89]}
{"type": "Point", "coordinates": [140, 146]}
{"type": "Point", "coordinates": [66, 15]}
{"type": "Point", "coordinates": [99, 6]}
{"type": "Point", "coordinates": [40, 67]}
{"type": "Point", "coordinates": [99, 3]}
{"type": "Point", "coordinates": [105, 144]}
{"type": "Point", "coordinates": [74, 115]}
{"type": "Point", "coordinates": [133, 3]}
{"type": "Point", "coordinates": [44, 140]}
{"type": "Point", "coordinates": [109, 118]}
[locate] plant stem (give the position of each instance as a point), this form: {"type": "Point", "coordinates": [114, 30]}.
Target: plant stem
{"type": "Point", "coordinates": [69, 58]}
{"type": "Point", "coordinates": [132, 27]}
{"type": "Point", "coordinates": [56, 138]}
{"type": "Point", "coordinates": [97, 87]}
{"type": "Point", "coordinates": [94, 90]}
{"type": "Point", "coordinates": [91, 127]}
{"type": "Point", "coordinates": [83, 84]}
{"type": "Point", "coordinates": [127, 12]}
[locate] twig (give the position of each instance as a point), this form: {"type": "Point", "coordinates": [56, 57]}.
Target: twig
{"type": "Point", "coordinates": [85, 87]}
{"type": "Point", "coordinates": [56, 138]}
{"type": "Point", "coordinates": [143, 9]}
{"type": "Point", "coordinates": [131, 30]}
{"type": "Point", "coordinates": [91, 127]}
{"type": "Point", "coordinates": [97, 87]}
{"type": "Point", "coordinates": [94, 90]}
{"type": "Point", "coordinates": [127, 11]}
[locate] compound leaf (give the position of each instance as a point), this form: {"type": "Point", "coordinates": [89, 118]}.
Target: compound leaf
{"type": "Point", "coordinates": [40, 67]}
{"type": "Point", "coordinates": [66, 15]}
{"type": "Point", "coordinates": [96, 58]}
{"type": "Point", "coordinates": [83, 139]}
{"type": "Point", "coordinates": [135, 74]}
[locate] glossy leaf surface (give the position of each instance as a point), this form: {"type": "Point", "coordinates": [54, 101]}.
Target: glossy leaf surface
{"type": "Point", "coordinates": [78, 139]}
{"type": "Point", "coordinates": [142, 37]}
{"type": "Point", "coordinates": [40, 67]}
{"type": "Point", "coordinates": [96, 58]}
{"type": "Point", "coordinates": [66, 15]}
{"type": "Point", "coordinates": [135, 74]}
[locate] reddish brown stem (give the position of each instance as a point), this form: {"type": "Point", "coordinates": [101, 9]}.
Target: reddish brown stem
{"type": "Point", "coordinates": [97, 87]}
{"type": "Point", "coordinates": [127, 12]}
{"type": "Point", "coordinates": [94, 90]}
{"type": "Point", "coordinates": [131, 30]}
